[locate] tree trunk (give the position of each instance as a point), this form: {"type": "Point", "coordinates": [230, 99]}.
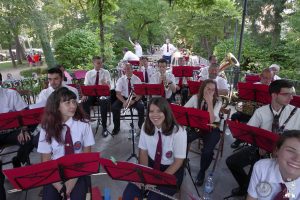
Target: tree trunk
{"type": "Point", "coordinates": [101, 26]}
{"type": "Point", "coordinates": [42, 34]}
{"type": "Point", "coordinates": [12, 57]}
{"type": "Point", "coordinates": [19, 47]}
{"type": "Point", "coordinates": [278, 9]}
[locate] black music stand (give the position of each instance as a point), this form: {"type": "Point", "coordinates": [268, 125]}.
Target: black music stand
{"type": "Point", "coordinates": [98, 91]}
{"type": "Point", "coordinates": [194, 118]}
{"type": "Point", "coordinates": [62, 169]}
{"type": "Point", "coordinates": [125, 171]}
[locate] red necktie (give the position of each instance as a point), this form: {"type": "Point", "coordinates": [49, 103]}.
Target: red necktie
{"type": "Point", "coordinates": [69, 149]}
{"type": "Point", "coordinates": [281, 194]}
{"type": "Point", "coordinates": [97, 78]}
{"type": "Point", "coordinates": [167, 47]}
{"type": "Point", "coordinates": [158, 153]}
{"type": "Point", "coordinates": [146, 76]}
{"type": "Point", "coordinates": [180, 82]}
{"type": "Point", "coordinates": [129, 87]}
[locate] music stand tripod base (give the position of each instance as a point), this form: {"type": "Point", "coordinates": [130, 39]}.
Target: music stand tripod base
{"type": "Point", "coordinates": [133, 154]}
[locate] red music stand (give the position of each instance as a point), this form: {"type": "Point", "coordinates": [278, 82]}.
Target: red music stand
{"type": "Point", "coordinates": [125, 171]}
{"type": "Point", "coordinates": [296, 101]}
{"type": "Point", "coordinates": [32, 116]}
{"type": "Point", "coordinates": [96, 91]}
{"type": "Point", "coordinates": [194, 86]}
{"type": "Point", "coordinates": [192, 117]}
{"type": "Point", "coordinates": [134, 62]}
{"type": "Point", "coordinates": [253, 135]}
{"type": "Point", "coordinates": [246, 91]}
{"type": "Point", "coordinates": [149, 89]}
{"type": "Point", "coordinates": [9, 120]}
{"type": "Point", "coordinates": [262, 93]}
{"type": "Point", "coordinates": [139, 74]}
{"type": "Point", "coordinates": [62, 169]}
{"type": "Point", "coordinates": [183, 71]}
{"type": "Point", "coordinates": [252, 78]}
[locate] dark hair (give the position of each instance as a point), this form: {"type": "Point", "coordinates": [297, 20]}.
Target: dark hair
{"type": "Point", "coordinates": [144, 58]}
{"type": "Point", "coordinates": [201, 92]}
{"type": "Point", "coordinates": [55, 70]}
{"type": "Point", "coordinates": [276, 86]}
{"type": "Point", "coordinates": [286, 135]}
{"type": "Point", "coordinates": [125, 49]}
{"type": "Point", "coordinates": [211, 56]}
{"type": "Point", "coordinates": [59, 66]}
{"type": "Point", "coordinates": [52, 119]}
{"type": "Point", "coordinates": [162, 60]}
{"type": "Point", "coordinates": [97, 58]}
{"type": "Point", "coordinates": [168, 124]}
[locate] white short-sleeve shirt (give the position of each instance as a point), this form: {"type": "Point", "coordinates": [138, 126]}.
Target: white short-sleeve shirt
{"type": "Point", "coordinates": [263, 118]}
{"type": "Point", "coordinates": [265, 181]}
{"type": "Point", "coordinates": [173, 146]}
{"type": "Point", "coordinates": [193, 103]}
{"type": "Point", "coordinates": [122, 84]}
{"type": "Point", "coordinates": [45, 93]}
{"type": "Point", "coordinates": [81, 133]}
{"type": "Point", "coordinates": [150, 70]}
{"type": "Point", "coordinates": [221, 82]}
{"type": "Point", "coordinates": [90, 76]}
{"type": "Point", "coordinates": [11, 101]}
{"type": "Point", "coordinates": [165, 51]}
{"type": "Point", "coordinates": [129, 56]}
{"type": "Point", "coordinates": [138, 50]}
{"type": "Point", "coordinates": [155, 79]}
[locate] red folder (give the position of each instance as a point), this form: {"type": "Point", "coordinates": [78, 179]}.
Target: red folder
{"type": "Point", "coordinates": [32, 116]}
{"type": "Point", "coordinates": [296, 101]}
{"type": "Point", "coordinates": [66, 167]}
{"type": "Point", "coordinates": [10, 120]}
{"type": "Point", "coordinates": [246, 91]}
{"type": "Point", "coordinates": [183, 71]}
{"type": "Point", "coordinates": [191, 117]}
{"type": "Point", "coordinates": [149, 89]}
{"type": "Point", "coordinates": [194, 86]}
{"type": "Point", "coordinates": [139, 74]}
{"type": "Point", "coordinates": [262, 94]}
{"type": "Point", "coordinates": [95, 90]}
{"type": "Point", "coordinates": [252, 78]}
{"type": "Point", "coordinates": [126, 171]}
{"type": "Point", "coordinates": [256, 136]}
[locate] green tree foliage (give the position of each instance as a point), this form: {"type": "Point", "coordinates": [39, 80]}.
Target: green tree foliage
{"type": "Point", "coordinates": [76, 48]}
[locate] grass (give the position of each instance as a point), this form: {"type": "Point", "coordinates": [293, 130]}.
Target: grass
{"type": "Point", "coordinates": [8, 65]}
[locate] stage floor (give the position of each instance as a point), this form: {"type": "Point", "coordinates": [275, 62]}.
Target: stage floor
{"type": "Point", "coordinates": [120, 147]}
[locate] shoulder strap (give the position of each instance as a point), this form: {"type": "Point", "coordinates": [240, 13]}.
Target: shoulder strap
{"type": "Point", "coordinates": [288, 119]}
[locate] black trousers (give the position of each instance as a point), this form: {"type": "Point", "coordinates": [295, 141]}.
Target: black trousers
{"type": "Point", "coordinates": [116, 109]}
{"type": "Point", "coordinates": [210, 140]}
{"type": "Point", "coordinates": [103, 108]}
{"type": "Point", "coordinates": [237, 161]}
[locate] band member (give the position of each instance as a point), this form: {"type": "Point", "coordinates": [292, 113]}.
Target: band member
{"type": "Point", "coordinates": [55, 78]}
{"type": "Point", "coordinates": [213, 73]}
{"type": "Point", "coordinates": [147, 70]}
{"type": "Point", "coordinates": [181, 84]}
{"type": "Point", "coordinates": [204, 71]}
{"type": "Point", "coordinates": [129, 56]}
{"type": "Point", "coordinates": [275, 68]}
{"type": "Point", "coordinates": [279, 177]}
{"type": "Point", "coordinates": [162, 146]}
{"type": "Point", "coordinates": [67, 78]}
{"type": "Point", "coordinates": [127, 98]}
{"type": "Point", "coordinates": [167, 50]}
{"type": "Point", "coordinates": [276, 117]}
{"type": "Point", "coordinates": [97, 76]}
{"type": "Point", "coordinates": [137, 47]}
{"type": "Point", "coordinates": [65, 130]}
{"type": "Point", "coordinates": [11, 101]}
{"type": "Point", "coordinates": [164, 77]}
{"type": "Point", "coordinates": [207, 99]}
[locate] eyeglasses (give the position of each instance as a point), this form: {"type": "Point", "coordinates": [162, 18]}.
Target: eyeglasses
{"type": "Point", "coordinates": [287, 94]}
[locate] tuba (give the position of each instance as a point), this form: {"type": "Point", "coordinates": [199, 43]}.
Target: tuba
{"type": "Point", "coordinates": [228, 61]}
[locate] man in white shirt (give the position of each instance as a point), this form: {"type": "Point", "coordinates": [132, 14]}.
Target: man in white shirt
{"type": "Point", "coordinates": [55, 78]}
{"type": "Point", "coordinates": [167, 79]}
{"type": "Point", "coordinates": [137, 47]}
{"type": "Point", "coordinates": [168, 49]}
{"type": "Point", "coordinates": [275, 68]}
{"type": "Point", "coordinates": [124, 88]}
{"type": "Point", "coordinates": [129, 56]}
{"type": "Point", "coordinates": [213, 73]}
{"type": "Point", "coordinates": [147, 70]}
{"type": "Point", "coordinates": [97, 76]}
{"type": "Point", "coordinates": [204, 70]}
{"type": "Point", "coordinates": [276, 117]}
{"type": "Point", "coordinates": [11, 101]}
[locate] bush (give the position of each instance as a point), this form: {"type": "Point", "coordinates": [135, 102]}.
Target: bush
{"type": "Point", "coordinates": [76, 48]}
{"type": "Point", "coordinates": [28, 72]}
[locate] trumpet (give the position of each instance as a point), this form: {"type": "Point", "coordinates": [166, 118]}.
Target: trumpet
{"type": "Point", "coordinates": [131, 97]}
